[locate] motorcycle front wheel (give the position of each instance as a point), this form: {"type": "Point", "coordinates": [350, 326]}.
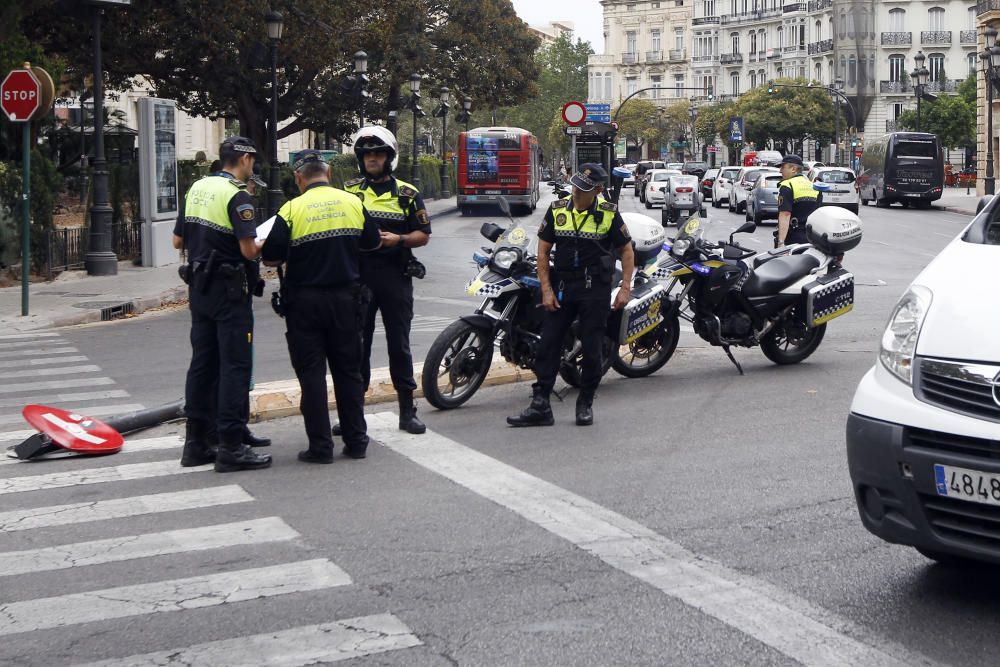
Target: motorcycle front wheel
{"type": "Point", "coordinates": [649, 352]}
{"type": "Point", "coordinates": [571, 367]}
{"type": "Point", "coordinates": [790, 342]}
{"type": "Point", "coordinates": [456, 365]}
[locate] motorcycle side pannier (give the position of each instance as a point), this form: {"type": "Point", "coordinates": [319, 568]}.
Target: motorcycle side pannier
{"type": "Point", "coordinates": [833, 230]}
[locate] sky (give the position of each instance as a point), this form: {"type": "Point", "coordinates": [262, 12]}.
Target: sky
{"type": "Point", "coordinates": [586, 14]}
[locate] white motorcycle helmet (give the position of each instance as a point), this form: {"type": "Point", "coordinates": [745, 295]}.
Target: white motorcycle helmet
{"type": "Point", "coordinates": [375, 138]}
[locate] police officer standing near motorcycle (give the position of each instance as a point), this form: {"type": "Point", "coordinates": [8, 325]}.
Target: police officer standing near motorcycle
{"type": "Point", "coordinates": [585, 230]}
{"type": "Point", "coordinates": [320, 235]}
{"type": "Point", "coordinates": [219, 234]}
{"type": "Point", "coordinates": [398, 210]}
{"type": "Point", "coordinates": [796, 201]}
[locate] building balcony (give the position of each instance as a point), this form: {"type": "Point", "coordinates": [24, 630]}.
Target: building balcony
{"type": "Point", "coordinates": [732, 58]}
{"type": "Point", "coordinates": [654, 56]}
{"type": "Point", "coordinates": [817, 48]}
{"type": "Point", "coordinates": [986, 6]}
{"type": "Point", "coordinates": [705, 59]}
{"type": "Point", "coordinates": [946, 86]}
{"type": "Point", "coordinates": [630, 58]}
{"type": "Point", "coordinates": [794, 7]}
{"type": "Point", "coordinates": [895, 87]}
{"type": "Point", "coordinates": [705, 20]}
{"type": "Point", "coordinates": [967, 37]}
{"type": "Point", "coordinates": [727, 98]}
{"type": "Point", "coordinates": [677, 55]}
{"type": "Point", "coordinates": [819, 5]}
{"type": "Point", "coordinates": [773, 54]}
{"type": "Point", "coordinates": [935, 37]}
{"type": "Point", "coordinates": [752, 57]}
{"type": "Point", "coordinates": [897, 38]}
{"type": "Point", "coordinates": [794, 50]}
{"type": "Point", "coordinates": [752, 17]}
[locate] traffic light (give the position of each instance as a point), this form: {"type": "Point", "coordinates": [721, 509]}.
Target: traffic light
{"type": "Point", "coordinates": [770, 87]}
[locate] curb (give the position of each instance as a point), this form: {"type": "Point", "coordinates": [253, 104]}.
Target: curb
{"type": "Point", "coordinates": [273, 400]}
{"type": "Point", "coordinates": [962, 211]}
{"type": "Point", "coordinates": [139, 305]}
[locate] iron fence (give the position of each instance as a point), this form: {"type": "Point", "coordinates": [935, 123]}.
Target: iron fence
{"type": "Point", "coordinates": [66, 249]}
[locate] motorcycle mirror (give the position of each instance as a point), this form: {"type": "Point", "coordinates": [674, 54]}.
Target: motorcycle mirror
{"type": "Point", "coordinates": [504, 206]}
{"type": "Point", "coordinates": [491, 231]}
{"type": "Point", "coordinates": [746, 227]}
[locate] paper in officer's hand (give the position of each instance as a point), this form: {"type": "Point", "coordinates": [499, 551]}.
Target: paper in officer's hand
{"type": "Point", "coordinates": [264, 229]}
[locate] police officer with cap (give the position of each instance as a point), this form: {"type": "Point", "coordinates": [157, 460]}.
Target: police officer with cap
{"type": "Point", "coordinates": [796, 201]}
{"type": "Point", "coordinates": [586, 230]}
{"type": "Point", "coordinates": [319, 235]}
{"type": "Point", "coordinates": [219, 234]}
{"type": "Point", "coordinates": [398, 209]}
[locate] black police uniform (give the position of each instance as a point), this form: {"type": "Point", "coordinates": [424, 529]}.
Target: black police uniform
{"type": "Point", "coordinates": [797, 196]}
{"type": "Point", "coordinates": [218, 378]}
{"type": "Point", "coordinates": [321, 234]}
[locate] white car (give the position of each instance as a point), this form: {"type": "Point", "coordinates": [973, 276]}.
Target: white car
{"type": "Point", "coordinates": [675, 165]}
{"type": "Point", "coordinates": [923, 435]}
{"type": "Point", "coordinates": [720, 188]}
{"type": "Point", "coordinates": [630, 179]}
{"type": "Point", "coordinates": [656, 179]}
{"type": "Point", "coordinates": [812, 165]}
{"type": "Point", "coordinates": [836, 185]}
{"type": "Point", "coordinates": [741, 186]}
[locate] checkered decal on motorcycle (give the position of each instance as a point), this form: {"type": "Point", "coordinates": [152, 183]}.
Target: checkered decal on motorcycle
{"type": "Point", "coordinates": [641, 315]}
{"type": "Point", "coordinates": [490, 290]}
{"type": "Point", "coordinates": [829, 297]}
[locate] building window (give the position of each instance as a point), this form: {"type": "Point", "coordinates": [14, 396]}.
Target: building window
{"type": "Point", "coordinates": [897, 17]}
{"type": "Point", "coordinates": [753, 44]}
{"type": "Point", "coordinates": [753, 79]}
{"type": "Point", "coordinates": [818, 76]}
{"type": "Point", "coordinates": [656, 82]}
{"type": "Point", "coordinates": [842, 29]}
{"type": "Point", "coordinates": [852, 72]}
{"type": "Point", "coordinates": [631, 85]}
{"type": "Point", "coordinates": [607, 86]}
{"type": "Point", "coordinates": [655, 34]}
{"type": "Point", "coordinates": [970, 21]}
{"type": "Point", "coordinates": [780, 43]}
{"type": "Point", "coordinates": [802, 36]}
{"type": "Point", "coordinates": [655, 5]}
{"type": "Point", "coordinates": [708, 8]}
{"type": "Point", "coordinates": [630, 42]}
{"type": "Point", "coordinates": [679, 38]}
{"type": "Point", "coordinates": [819, 31]}
{"type": "Point", "coordinates": [762, 38]}
{"type": "Point", "coordinates": [935, 63]}
{"type": "Point", "coordinates": [735, 39]}
{"type": "Point", "coordinates": [935, 18]}
{"type": "Point", "coordinates": [972, 61]}
{"type": "Point", "coordinates": [734, 83]}
{"type": "Point", "coordinates": [897, 110]}
{"type": "Point", "coordinates": [897, 65]}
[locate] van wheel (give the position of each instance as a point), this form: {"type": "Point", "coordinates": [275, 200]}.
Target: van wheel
{"type": "Point", "coordinates": [882, 203]}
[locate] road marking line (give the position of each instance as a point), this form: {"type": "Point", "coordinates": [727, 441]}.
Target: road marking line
{"type": "Point", "coordinates": [66, 398]}
{"type": "Point", "coordinates": [210, 590]}
{"type": "Point", "coordinates": [134, 547]}
{"type": "Point", "coordinates": [130, 447]}
{"type": "Point", "coordinates": [38, 352]}
{"type": "Point", "coordinates": [29, 343]}
{"type": "Point", "coordinates": [54, 384]}
{"type": "Point", "coordinates": [779, 619]}
{"type": "Point", "coordinates": [40, 361]}
{"type": "Point", "coordinates": [94, 411]}
{"type": "Point", "coordinates": [122, 473]}
{"type": "Point", "coordinates": [296, 647]}
{"type": "Point", "coordinates": [67, 370]}
{"type": "Point", "coordinates": [120, 508]}
{"type": "Point", "coordinates": [29, 334]}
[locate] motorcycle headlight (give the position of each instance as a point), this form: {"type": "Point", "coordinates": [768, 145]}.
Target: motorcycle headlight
{"type": "Point", "coordinates": [680, 247]}
{"type": "Point", "coordinates": [504, 259]}
{"type": "Point", "coordinates": [899, 342]}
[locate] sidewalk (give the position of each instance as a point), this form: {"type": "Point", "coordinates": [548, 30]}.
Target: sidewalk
{"type": "Point", "coordinates": [955, 200]}
{"type": "Point", "coordinates": [76, 298]}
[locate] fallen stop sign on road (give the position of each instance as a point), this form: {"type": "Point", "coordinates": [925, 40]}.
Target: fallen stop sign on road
{"type": "Point", "coordinates": [20, 95]}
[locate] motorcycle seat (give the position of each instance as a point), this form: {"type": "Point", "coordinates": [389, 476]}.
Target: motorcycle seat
{"type": "Point", "coordinates": [773, 276]}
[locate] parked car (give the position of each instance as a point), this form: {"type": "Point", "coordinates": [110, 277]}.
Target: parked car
{"type": "Point", "coordinates": [681, 198]}
{"type": "Point", "coordinates": [837, 187]}
{"type": "Point", "coordinates": [924, 425]}
{"type": "Point", "coordinates": [740, 187]}
{"type": "Point", "coordinates": [762, 202]}
{"type": "Point", "coordinates": [767, 159]}
{"type": "Point", "coordinates": [630, 179]}
{"type": "Point", "coordinates": [675, 165]}
{"type": "Point", "coordinates": [641, 167]}
{"type": "Point", "coordinates": [812, 165]}
{"type": "Point", "coordinates": [720, 188]}
{"type": "Point", "coordinates": [655, 180]}
{"type": "Point", "coordinates": [695, 168]}
{"type": "Point", "coordinates": [707, 181]}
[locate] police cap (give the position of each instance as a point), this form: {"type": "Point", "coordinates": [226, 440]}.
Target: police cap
{"type": "Point", "coordinates": [792, 159]}
{"type": "Point", "coordinates": [302, 158]}
{"type": "Point", "coordinates": [589, 176]}
{"type": "Point", "coordinates": [238, 145]}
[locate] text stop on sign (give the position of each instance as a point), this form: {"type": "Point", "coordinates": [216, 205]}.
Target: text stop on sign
{"type": "Point", "coordinates": [20, 95]}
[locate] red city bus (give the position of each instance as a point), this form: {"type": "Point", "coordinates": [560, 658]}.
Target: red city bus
{"type": "Point", "coordinates": [495, 161]}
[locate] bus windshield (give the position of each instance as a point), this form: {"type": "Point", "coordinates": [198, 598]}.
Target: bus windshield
{"type": "Point", "coordinates": [909, 148]}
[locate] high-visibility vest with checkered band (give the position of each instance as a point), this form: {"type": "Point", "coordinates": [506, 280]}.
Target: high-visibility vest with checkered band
{"type": "Point", "coordinates": [802, 188]}
{"type": "Point", "coordinates": [322, 213]}
{"type": "Point", "coordinates": [389, 211]}
{"type": "Point", "coordinates": [596, 227]}
{"type": "Point", "coordinates": [207, 202]}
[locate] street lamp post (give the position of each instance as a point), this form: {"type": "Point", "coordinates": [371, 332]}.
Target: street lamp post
{"type": "Point", "coordinates": [414, 106]}
{"type": "Point", "coordinates": [990, 57]}
{"type": "Point", "coordinates": [838, 84]}
{"type": "Point", "coordinates": [466, 113]}
{"type": "Point", "coordinates": [920, 76]}
{"type": "Point", "coordinates": [693, 113]}
{"type": "Point", "coordinates": [100, 259]}
{"type": "Point", "coordinates": [361, 81]}
{"type": "Point", "coordinates": [275, 23]}
{"type": "Point", "coordinates": [444, 95]}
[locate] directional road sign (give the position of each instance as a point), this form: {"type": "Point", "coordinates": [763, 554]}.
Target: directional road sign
{"type": "Point", "coordinates": [20, 95]}
{"type": "Point", "coordinates": [599, 117]}
{"type": "Point", "coordinates": [598, 108]}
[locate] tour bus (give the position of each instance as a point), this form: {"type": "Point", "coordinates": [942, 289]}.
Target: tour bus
{"type": "Point", "coordinates": [904, 167]}
{"type": "Point", "coordinates": [494, 161]}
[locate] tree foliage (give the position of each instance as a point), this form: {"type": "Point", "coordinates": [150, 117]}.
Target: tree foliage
{"type": "Point", "coordinates": [787, 116]}
{"type": "Point", "coordinates": [951, 117]}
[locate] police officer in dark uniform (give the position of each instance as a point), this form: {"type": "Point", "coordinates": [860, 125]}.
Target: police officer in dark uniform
{"type": "Point", "coordinates": [320, 235]}
{"type": "Point", "coordinates": [219, 233]}
{"type": "Point", "coordinates": [398, 209]}
{"type": "Point", "coordinates": [585, 229]}
{"type": "Point", "coordinates": [796, 201]}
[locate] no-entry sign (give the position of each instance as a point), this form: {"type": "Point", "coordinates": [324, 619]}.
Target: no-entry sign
{"type": "Point", "coordinates": [574, 113]}
{"type": "Point", "coordinates": [20, 95]}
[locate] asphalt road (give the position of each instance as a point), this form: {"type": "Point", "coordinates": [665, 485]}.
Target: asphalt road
{"type": "Point", "coordinates": [706, 518]}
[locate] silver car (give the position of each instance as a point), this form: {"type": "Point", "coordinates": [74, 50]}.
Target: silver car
{"type": "Point", "coordinates": [762, 202]}
{"type": "Point", "coordinates": [741, 187]}
{"type": "Point", "coordinates": [682, 197]}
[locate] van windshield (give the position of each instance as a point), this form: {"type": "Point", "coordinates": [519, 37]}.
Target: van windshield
{"type": "Point", "coordinates": [835, 177]}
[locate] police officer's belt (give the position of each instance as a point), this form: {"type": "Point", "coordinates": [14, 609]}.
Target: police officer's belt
{"type": "Point", "coordinates": [579, 274]}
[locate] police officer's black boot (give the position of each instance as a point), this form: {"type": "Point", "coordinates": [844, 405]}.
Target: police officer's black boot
{"type": "Point", "coordinates": [585, 408]}
{"type": "Point", "coordinates": [234, 455]}
{"type": "Point", "coordinates": [250, 439]}
{"type": "Point", "coordinates": [336, 431]}
{"type": "Point", "coordinates": [197, 450]}
{"type": "Point", "coordinates": [408, 420]}
{"type": "Point", "coordinates": [538, 413]}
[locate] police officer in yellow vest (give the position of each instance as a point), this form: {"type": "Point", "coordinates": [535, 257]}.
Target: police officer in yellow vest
{"type": "Point", "coordinates": [398, 209]}
{"type": "Point", "coordinates": [320, 235]}
{"type": "Point", "coordinates": [796, 201]}
{"type": "Point", "coordinates": [218, 232]}
{"type": "Point", "coordinates": [585, 230]}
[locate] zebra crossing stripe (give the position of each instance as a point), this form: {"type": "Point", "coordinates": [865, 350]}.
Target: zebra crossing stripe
{"type": "Point", "coordinates": [296, 647]}
{"type": "Point", "coordinates": [38, 352]}
{"type": "Point", "coordinates": [120, 508]}
{"type": "Point", "coordinates": [41, 361]}
{"type": "Point", "coordinates": [209, 590]}
{"type": "Point", "coordinates": [30, 334]}
{"type": "Point", "coordinates": [92, 411]}
{"type": "Point", "coordinates": [66, 398]}
{"type": "Point", "coordinates": [68, 370]}
{"type": "Point", "coordinates": [122, 473]}
{"type": "Point", "coordinates": [54, 384]}
{"type": "Point", "coordinates": [132, 547]}
{"type": "Point", "coordinates": [130, 447]}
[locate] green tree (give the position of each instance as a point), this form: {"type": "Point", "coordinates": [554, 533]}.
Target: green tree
{"type": "Point", "coordinates": [787, 116]}
{"type": "Point", "coordinates": [951, 117]}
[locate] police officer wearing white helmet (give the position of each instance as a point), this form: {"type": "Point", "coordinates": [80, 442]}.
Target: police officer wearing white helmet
{"type": "Point", "coordinates": [398, 209]}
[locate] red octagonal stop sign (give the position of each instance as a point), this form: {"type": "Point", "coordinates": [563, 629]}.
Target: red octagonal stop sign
{"type": "Point", "coordinates": [20, 95]}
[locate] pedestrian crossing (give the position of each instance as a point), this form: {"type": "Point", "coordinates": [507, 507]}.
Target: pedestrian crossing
{"type": "Point", "coordinates": [420, 324]}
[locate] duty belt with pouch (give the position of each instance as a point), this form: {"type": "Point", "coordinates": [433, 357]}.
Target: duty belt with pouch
{"type": "Point", "coordinates": [234, 277]}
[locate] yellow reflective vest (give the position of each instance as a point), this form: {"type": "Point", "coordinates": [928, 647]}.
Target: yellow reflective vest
{"type": "Point", "coordinates": [207, 202]}
{"type": "Point", "coordinates": [321, 213]}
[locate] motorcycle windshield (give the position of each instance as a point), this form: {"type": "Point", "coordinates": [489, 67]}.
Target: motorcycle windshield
{"type": "Point", "coordinates": [693, 229]}
{"type": "Point", "coordinates": [517, 236]}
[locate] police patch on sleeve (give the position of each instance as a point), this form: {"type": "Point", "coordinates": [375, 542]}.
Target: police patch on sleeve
{"type": "Point", "coordinates": [561, 219]}
{"type": "Point", "coordinates": [408, 191]}
{"type": "Point", "coordinates": [624, 230]}
{"type": "Point", "coordinates": [246, 212]}
{"type": "Point", "coordinates": [422, 217]}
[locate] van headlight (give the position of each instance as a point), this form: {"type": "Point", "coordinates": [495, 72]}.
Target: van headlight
{"type": "Point", "coordinates": [899, 341]}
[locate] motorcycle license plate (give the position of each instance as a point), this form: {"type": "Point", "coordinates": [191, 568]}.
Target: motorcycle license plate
{"type": "Point", "coordinates": [965, 484]}
{"type": "Point", "coordinates": [829, 296]}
